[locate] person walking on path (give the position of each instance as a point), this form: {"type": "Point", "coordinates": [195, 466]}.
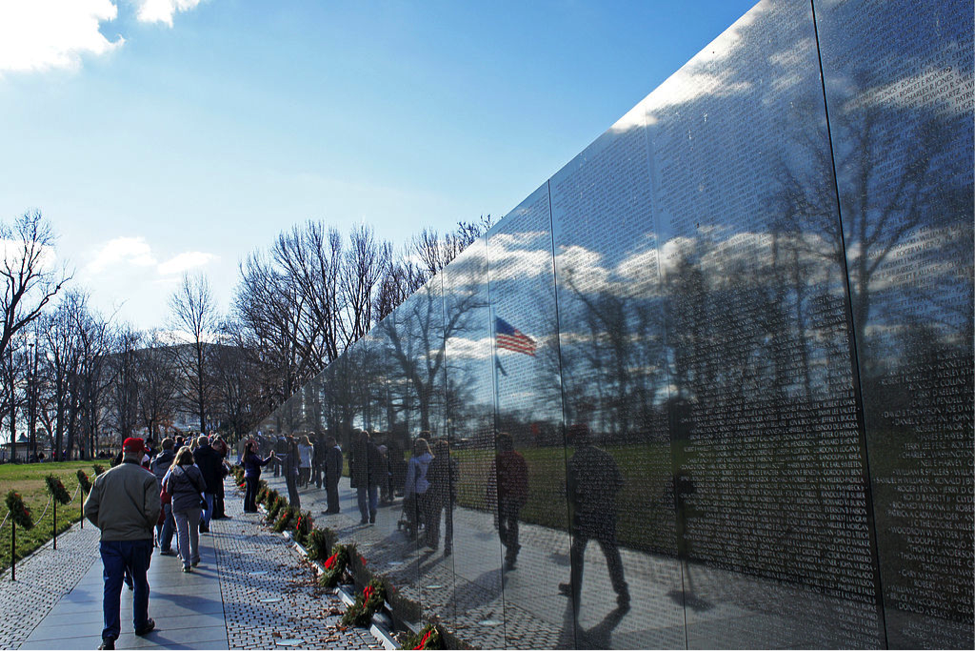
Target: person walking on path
{"type": "Point", "coordinates": [252, 474]}
{"type": "Point", "coordinates": [333, 472]}
{"type": "Point", "coordinates": [211, 467]}
{"type": "Point", "coordinates": [160, 466]}
{"type": "Point", "coordinates": [186, 485]}
{"type": "Point", "coordinates": [594, 479]}
{"type": "Point", "coordinates": [222, 449]}
{"type": "Point", "coordinates": [124, 505]}
{"type": "Point", "coordinates": [510, 475]}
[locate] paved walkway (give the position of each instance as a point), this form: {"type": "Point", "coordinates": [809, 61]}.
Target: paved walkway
{"type": "Point", "coordinates": [252, 590]}
{"type": "Point", "coordinates": [672, 606]}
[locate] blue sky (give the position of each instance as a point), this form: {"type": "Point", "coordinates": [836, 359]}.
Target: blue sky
{"type": "Point", "coordinates": [162, 136]}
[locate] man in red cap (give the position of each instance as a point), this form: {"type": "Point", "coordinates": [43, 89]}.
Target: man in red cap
{"type": "Point", "coordinates": [124, 504]}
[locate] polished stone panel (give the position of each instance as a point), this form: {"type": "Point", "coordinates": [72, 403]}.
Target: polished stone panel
{"type": "Point", "coordinates": [732, 345]}
{"type": "Point", "coordinates": [774, 520]}
{"type": "Point", "coordinates": [613, 363]}
{"type": "Point", "coordinates": [477, 558]}
{"type": "Point", "coordinates": [900, 107]}
{"type": "Point", "coordinates": [529, 482]}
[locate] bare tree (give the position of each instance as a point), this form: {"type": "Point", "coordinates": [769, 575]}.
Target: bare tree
{"type": "Point", "coordinates": [157, 380]}
{"type": "Point", "coordinates": [124, 399]}
{"type": "Point", "coordinates": [194, 314]}
{"type": "Point", "coordinates": [29, 282]}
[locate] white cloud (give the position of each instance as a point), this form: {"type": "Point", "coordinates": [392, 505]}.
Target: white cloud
{"type": "Point", "coordinates": [518, 256]}
{"type": "Point", "coordinates": [37, 35]}
{"type": "Point", "coordinates": [462, 348]}
{"type": "Point", "coordinates": [125, 252]}
{"type": "Point", "coordinates": [162, 11]}
{"type": "Point", "coordinates": [184, 262]}
{"type": "Point", "coordinates": [122, 250]}
{"type": "Point", "coordinates": [12, 253]}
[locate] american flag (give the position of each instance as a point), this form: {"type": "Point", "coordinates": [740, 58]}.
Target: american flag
{"type": "Point", "coordinates": [513, 339]}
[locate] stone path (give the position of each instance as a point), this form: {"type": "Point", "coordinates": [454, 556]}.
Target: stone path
{"type": "Point", "coordinates": [252, 590]}
{"type": "Point", "coordinates": [673, 606]}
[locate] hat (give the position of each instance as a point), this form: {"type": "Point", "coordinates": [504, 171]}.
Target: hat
{"type": "Point", "coordinates": [133, 445]}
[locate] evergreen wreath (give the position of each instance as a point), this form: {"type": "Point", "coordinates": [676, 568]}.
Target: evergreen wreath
{"type": "Point", "coordinates": [371, 599]}
{"type": "Point", "coordinates": [303, 527]}
{"type": "Point", "coordinates": [83, 481]}
{"type": "Point", "coordinates": [19, 511]}
{"type": "Point", "coordinates": [320, 541]}
{"type": "Point", "coordinates": [429, 637]}
{"type": "Point", "coordinates": [274, 505]}
{"type": "Point", "coordinates": [99, 469]}
{"type": "Point", "coordinates": [57, 490]}
{"type": "Point", "coordinates": [335, 567]}
{"type": "Point", "coordinates": [285, 518]}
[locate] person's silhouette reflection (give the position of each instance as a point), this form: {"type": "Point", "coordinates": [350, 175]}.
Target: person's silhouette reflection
{"type": "Point", "coordinates": [593, 481]}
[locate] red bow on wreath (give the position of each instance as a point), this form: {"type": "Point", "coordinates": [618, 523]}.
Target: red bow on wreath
{"type": "Point", "coordinates": [298, 526]}
{"type": "Point", "coordinates": [331, 561]}
{"type": "Point", "coordinates": [366, 593]}
{"type": "Point", "coordinates": [423, 642]}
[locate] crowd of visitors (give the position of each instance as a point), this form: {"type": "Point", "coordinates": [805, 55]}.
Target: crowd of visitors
{"type": "Point", "coordinates": [179, 491]}
{"type": "Point", "coordinates": [146, 497]}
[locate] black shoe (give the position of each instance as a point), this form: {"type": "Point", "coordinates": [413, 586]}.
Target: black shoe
{"type": "Point", "coordinates": [364, 521]}
{"type": "Point", "coordinates": [372, 518]}
{"type": "Point", "coordinates": [565, 589]}
{"type": "Point", "coordinates": [447, 551]}
{"type": "Point", "coordinates": [147, 628]}
{"type": "Point", "coordinates": [107, 643]}
{"type": "Point", "coordinates": [510, 564]}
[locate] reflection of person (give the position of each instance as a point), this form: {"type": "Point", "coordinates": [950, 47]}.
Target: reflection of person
{"type": "Point", "coordinates": [442, 495]}
{"type": "Point", "coordinates": [417, 484]}
{"type": "Point", "coordinates": [367, 469]}
{"type": "Point", "coordinates": [511, 476]}
{"type": "Point", "coordinates": [305, 453]}
{"type": "Point", "coordinates": [318, 460]}
{"type": "Point", "coordinates": [290, 470]}
{"type": "Point", "coordinates": [185, 484]}
{"type": "Point", "coordinates": [593, 481]}
{"type": "Point", "coordinates": [333, 472]}
{"type": "Point", "coordinates": [252, 474]}
{"type": "Point", "coordinates": [124, 505]}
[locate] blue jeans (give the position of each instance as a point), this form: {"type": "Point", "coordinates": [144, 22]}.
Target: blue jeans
{"type": "Point", "coordinates": [208, 511]}
{"type": "Point", "coordinates": [165, 532]}
{"type": "Point", "coordinates": [117, 557]}
{"type": "Point", "coordinates": [368, 501]}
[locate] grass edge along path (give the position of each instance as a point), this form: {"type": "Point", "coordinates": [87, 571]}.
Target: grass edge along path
{"type": "Point", "coordinates": [29, 481]}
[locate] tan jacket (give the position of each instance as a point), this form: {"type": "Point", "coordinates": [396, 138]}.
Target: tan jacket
{"type": "Point", "coordinates": [124, 503]}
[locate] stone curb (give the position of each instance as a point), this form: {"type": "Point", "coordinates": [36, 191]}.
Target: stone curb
{"type": "Point", "coordinates": [380, 630]}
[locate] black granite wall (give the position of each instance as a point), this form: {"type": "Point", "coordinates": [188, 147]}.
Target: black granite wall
{"type": "Point", "coordinates": [731, 341]}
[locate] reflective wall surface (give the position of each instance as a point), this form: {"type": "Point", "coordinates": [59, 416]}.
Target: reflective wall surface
{"type": "Point", "coordinates": [711, 385]}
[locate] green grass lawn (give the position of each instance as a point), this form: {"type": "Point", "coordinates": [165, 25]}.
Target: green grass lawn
{"type": "Point", "coordinates": [28, 480]}
{"type": "Point", "coordinates": [646, 516]}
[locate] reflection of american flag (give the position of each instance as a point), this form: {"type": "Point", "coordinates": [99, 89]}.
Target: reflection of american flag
{"type": "Point", "coordinates": [512, 338]}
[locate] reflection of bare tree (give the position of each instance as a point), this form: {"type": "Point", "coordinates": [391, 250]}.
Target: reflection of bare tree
{"type": "Point", "coordinates": [415, 346]}
{"type": "Point", "coordinates": [619, 369]}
